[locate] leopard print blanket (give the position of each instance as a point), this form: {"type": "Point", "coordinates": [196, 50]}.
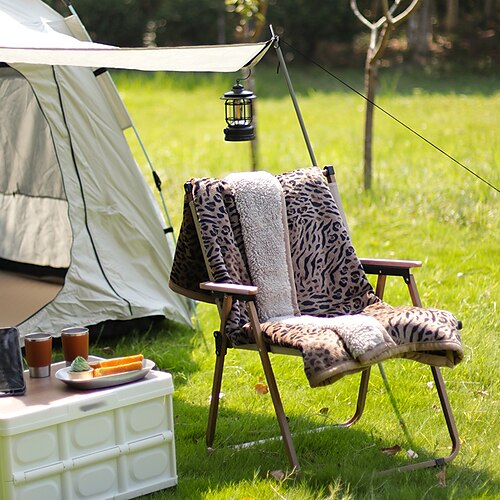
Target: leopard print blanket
{"type": "Point", "coordinates": [329, 281]}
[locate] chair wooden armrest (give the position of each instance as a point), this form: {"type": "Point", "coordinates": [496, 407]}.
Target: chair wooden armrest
{"type": "Point", "coordinates": [389, 267]}
{"type": "Point", "coordinates": [241, 292]}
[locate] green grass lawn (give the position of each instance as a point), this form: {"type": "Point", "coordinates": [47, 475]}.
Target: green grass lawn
{"type": "Point", "coordinates": [423, 206]}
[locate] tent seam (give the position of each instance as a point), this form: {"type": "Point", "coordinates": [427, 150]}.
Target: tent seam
{"type": "Point", "coordinates": [83, 194]}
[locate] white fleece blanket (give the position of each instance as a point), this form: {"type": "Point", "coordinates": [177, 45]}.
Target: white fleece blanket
{"type": "Point", "coordinates": [261, 206]}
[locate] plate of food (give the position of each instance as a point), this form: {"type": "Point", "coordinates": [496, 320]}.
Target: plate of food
{"type": "Point", "coordinates": [105, 372]}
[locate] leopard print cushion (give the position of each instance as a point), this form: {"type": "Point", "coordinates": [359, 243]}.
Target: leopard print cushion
{"type": "Point", "coordinates": [329, 279]}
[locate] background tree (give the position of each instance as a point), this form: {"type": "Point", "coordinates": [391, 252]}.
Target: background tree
{"type": "Point", "coordinates": [313, 26]}
{"type": "Point", "coordinates": [420, 33]}
{"type": "Point", "coordinates": [115, 22]}
{"type": "Point", "coordinates": [324, 31]}
{"type": "Point", "coordinates": [187, 22]}
{"type": "Point", "coordinates": [451, 20]}
{"type": "Point", "coordinates": [380, 32]}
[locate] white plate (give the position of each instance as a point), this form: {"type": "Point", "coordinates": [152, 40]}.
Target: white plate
{"type": "Point", "coordinates": [105, 380]}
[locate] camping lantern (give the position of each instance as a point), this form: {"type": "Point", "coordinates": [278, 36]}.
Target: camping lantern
{"type": "Point", "coordinates": [239, 114]}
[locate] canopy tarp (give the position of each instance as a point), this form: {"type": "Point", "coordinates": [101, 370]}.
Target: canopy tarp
{"type": "Point", "coordinates": [47, 43]}
{"type": "Point", "coordinates": [219, 58]}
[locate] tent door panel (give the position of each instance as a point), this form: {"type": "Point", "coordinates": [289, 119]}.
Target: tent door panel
{"type": "Point", "coordinates": [21, 296]}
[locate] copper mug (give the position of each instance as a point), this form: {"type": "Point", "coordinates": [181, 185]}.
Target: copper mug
{"type": "Point", "coordinates": [75, 342]}
{"type": "Point", "coordinates": [38, 348]}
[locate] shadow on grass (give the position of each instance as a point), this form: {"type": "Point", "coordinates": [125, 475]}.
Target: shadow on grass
{"type": "Point", "coordinates": [342, 458]}
{"type": "Point", "coordinates": [349, 457]}
{"type": "Point", "coordinates": [398, 80]}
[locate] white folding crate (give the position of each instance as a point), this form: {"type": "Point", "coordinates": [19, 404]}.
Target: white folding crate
{"type": "Point", "coordinates": [58, 443]}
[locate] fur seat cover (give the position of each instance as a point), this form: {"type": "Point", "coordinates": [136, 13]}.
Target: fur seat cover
{"type": "Point", "coordinates": [285, 234]}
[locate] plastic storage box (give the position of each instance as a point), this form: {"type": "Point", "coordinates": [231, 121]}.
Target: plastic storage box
{"type": "Point", "coordinates": [58, 443]}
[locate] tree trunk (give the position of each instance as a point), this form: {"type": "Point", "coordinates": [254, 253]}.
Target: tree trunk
{"type": "Point", "coordinates": [379, 38]}
{"type": "Point", "coordinates": [420, 32]}
{"type": "Point", "coordinates": [371, 76]}
{"type": "Point", "coordinates": [488, 9]}
{"type": "Point", "coordinates": [254, 145]}
{"type": "Point", "coordinates": [221, 25]}
{"type": "Point", "coordinates": [451, 20]}
{"type": "Point", "coordinates": [250, 84]}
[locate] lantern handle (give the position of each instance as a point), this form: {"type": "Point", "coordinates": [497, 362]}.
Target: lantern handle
{"type": "Point", "coordinates": [238, 80]}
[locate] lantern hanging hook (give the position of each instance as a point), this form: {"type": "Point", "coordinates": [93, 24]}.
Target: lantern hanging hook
{"type": "Point", "coordinates": [238, 80]}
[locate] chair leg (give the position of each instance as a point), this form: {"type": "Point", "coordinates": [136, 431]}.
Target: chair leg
{"type": "Point", "coordinates": [448, 414]}
{"type": "Point", "coordinates": [450, 423]}
{"type": "Point", "coordinates": [360, 406]}
{"type": "Point", "coordinates": [441, 390]}
{"type": "Point", "coordinates": [216, 386]}
{"type": "Point", "coordinates": [220, 352]}
{"type": "Point", "coordinates": [273, 389]}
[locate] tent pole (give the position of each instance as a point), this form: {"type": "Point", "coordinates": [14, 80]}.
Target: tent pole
{"type": "Point", "coordinates": [329, 169]}
{"type": "Point", "coordinates": [156, 179]}
{"type": "Point", "coordinates": [276, 45]}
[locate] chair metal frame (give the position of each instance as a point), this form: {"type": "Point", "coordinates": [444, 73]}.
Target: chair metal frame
{"type": "Point", "coordinates": [225, 293]}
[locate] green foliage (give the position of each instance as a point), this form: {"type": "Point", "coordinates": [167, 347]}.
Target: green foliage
{"type": "Point", "coordinates": [423, 206]}
{"type": "Point", "coordinates": [116, 22]}
{"type": "Point", "coordinates": [251, 17]}
{"type": "Point", "coordinates": [307, 23]}
{"type": "Point", "coordinates": [244, 8]}
{"type": "Point", "coordinates": [189, 22]}
{"type": "Point", "coordinates": [195, 22]}
{"type": "Point", "coordinates": [327, 31]}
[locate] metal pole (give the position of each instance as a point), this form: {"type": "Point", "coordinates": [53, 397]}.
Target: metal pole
{"type": "Point", "coordinates": [281, 59]}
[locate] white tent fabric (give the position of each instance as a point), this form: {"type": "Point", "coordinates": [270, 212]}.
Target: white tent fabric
{"type": "Point", "coordinates": [71, 194]}
{"type": "Point", "coordinates": [49, 42]}
{"type": "Point", "coordinates": [92, 211]}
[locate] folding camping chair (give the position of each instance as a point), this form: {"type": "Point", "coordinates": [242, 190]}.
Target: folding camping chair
{"type": "Point", "coordinates": [275, 255]}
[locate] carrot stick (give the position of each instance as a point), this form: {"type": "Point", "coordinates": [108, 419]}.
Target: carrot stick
{"type": "Point", "coordinates": [112, 370]}
{"type": "Point", "coordinates": [117, 361]}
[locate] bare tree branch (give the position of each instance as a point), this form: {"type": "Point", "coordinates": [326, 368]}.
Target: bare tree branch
{"type": "Point", "coordinates": [389, 11]}
{"type": "Point", "coordinates": [354, 7]}
{"type": "Point", "coordinates": [383, 40]}
{"type": "Point", "coordinates": [401, 17]}
{"type": "Point", "coordinates": [378, 41]}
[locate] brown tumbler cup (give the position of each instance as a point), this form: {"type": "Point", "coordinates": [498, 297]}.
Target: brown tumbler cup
{"type": "Point", "coordinates": [38, 347]}
{"type": "Point", "coordinates": [75, 342]}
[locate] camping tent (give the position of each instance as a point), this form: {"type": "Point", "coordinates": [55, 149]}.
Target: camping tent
{"type": "Point", "coordinates": [73, 201]}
